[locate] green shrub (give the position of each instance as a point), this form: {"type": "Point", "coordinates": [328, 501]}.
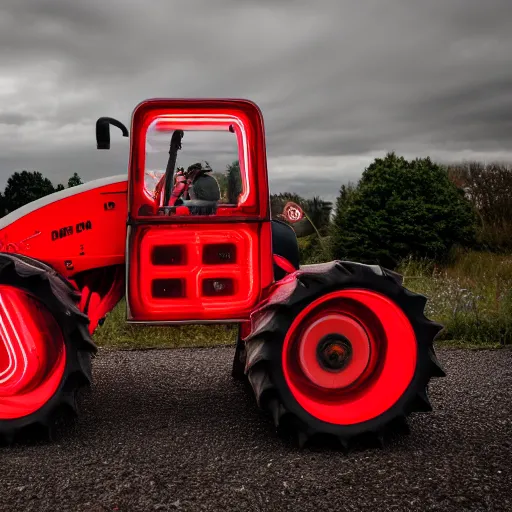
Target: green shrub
{"type": "Point", "coordinates": [401, 208]}
{"type": "Point", "coordinates": [311, 250]}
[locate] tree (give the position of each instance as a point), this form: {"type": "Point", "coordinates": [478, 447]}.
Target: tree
{"type": "Point", "coordinates": [24, 187]}
{"type": "Point", "coordinates": [60, 187]}
{"type": "Point", "coordinates": [319, 212]}
{"type": "Point", "coordinates": [344, 198]}
{"type": "Point", "coordinates": [343, 201]}
{"type": "Point", "coordinates": [234, 178]}
{"type": "Point", "coordinates": [222, 180]}
{"type": "Point", "coordinates": [74, 180]}
{"type": "Point", "coordinates": [3, 209]}
{"type": "Point", "coordinates": [489, 189]}
{"type": "Point", "coordinates": [401, 209]}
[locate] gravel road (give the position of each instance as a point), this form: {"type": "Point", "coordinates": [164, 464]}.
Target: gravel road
{"type": "Point", "coordinates": [170, 430]}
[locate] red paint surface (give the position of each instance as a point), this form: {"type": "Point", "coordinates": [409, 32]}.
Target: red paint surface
{"type": "Point", "coordinates": [323, 325]}
{"type": "Point", "coordinates": [246, 271]}
{"type": "Point", "coordinates": [284, 263]}
{"type": "Point", "coordinates": [103, 244]}
{"type": "Point", "coordinates": [101, 290]}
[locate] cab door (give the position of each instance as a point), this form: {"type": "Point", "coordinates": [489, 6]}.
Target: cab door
{"type": "Point", "coordinates": [188, 263]}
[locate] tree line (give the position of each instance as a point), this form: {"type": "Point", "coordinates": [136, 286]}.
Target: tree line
{"type": "Point", "coordinates": [422, 209]}
{"type": "Point", "coordinates": [27, 186]}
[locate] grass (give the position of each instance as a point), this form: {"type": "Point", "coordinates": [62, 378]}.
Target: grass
{"type": "Point", "coordinates": [116, 333]}
{"type": "Point", "coordinates": [472, 298]}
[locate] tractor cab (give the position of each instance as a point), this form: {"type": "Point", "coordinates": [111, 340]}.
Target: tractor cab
{"type": "Point", "coordinates": [198, 237]}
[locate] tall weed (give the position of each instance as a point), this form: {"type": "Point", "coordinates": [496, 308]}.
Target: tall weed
{"type": "Point", "coordinates": [472, 297]}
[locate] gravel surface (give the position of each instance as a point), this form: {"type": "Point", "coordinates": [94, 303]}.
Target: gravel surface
{"type": "Point", "coordinates": [170, 430]}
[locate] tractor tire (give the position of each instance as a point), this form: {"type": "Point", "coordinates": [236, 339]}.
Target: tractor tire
{"type": "Point", "coordinates": [45, 349]}
{"type": "Point", "coordinates": [341, 351]}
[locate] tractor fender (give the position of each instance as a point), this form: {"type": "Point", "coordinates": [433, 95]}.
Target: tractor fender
{"type": "Point", "coordinates": [73, 230]}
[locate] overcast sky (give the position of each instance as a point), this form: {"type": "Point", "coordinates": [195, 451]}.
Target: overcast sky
{"type": "Point", "coordinates": [339, 82]}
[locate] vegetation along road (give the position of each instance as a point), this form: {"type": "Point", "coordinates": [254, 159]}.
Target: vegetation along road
{"type": "Point", "coordinates": [171, 430]}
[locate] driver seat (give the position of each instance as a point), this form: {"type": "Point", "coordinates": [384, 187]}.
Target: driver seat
{"type": "Point", "coordinates": [200, 206]}
{"type": "Point", "coordinates": [204, 195]}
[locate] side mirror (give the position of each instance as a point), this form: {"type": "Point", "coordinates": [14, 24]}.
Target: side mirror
{"type": "Point", "coordinates": [103, 131]}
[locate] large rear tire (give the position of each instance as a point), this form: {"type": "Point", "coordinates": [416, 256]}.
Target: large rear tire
{"type": "Point", "coordinates": [45, 348]}
{"type": "Point", "coordinates": [341, 350]}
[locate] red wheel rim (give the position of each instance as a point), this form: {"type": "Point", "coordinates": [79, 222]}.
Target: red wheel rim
{"type": "Point", "coordinates": [32, 353]}
{"type": "Point", "coordinates": [308, 348]}
{"type": "Point", "coordinates": [371, 345]}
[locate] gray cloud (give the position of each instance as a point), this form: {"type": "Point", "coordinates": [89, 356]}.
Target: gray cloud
{"type": "Point", "coordinates": [14, 118]}
{"type": "Point", "coordinates": [339, 82]}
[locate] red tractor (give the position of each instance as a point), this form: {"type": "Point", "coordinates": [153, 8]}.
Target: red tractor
{"type": "Point", "coordinates": [338, 349]}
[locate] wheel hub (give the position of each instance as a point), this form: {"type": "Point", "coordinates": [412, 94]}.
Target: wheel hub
{"type": "Point", "coordinates": [334, 352]}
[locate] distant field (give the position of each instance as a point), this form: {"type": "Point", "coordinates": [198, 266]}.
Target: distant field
{"type": "Point", "coordinates": [472, 299]}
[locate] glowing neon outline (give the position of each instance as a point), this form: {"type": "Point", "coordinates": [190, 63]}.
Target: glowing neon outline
{"type": "Point", "coordinates": [7, 341]}
{"type": "Point", "coordinates": [214, 119]}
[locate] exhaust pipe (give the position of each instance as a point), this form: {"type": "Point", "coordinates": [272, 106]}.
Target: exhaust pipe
{"type": "Point", "coordinates": [103, 131]}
